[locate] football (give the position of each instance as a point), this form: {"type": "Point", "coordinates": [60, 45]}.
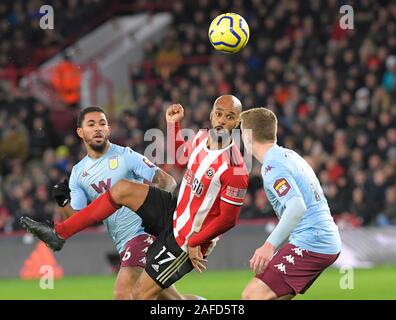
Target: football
{"type": "Point", "coordinates": [229, 32]}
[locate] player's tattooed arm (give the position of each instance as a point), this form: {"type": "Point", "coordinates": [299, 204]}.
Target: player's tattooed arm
{"type": "Point", "coordinates": [164, 181]}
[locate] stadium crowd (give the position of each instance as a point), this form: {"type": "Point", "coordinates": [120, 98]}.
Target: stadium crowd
{"type": "Point", "coordinates": [333, 90]}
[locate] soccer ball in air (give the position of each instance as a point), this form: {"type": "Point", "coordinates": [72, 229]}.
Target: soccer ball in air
{"type": "Point", "coordinates": [229, 32]}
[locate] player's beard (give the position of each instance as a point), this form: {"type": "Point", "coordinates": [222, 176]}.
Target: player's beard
{"type": "Point", "coordinates": [98, 147]}
{"type": "Point", "coordinates": [222, 138]}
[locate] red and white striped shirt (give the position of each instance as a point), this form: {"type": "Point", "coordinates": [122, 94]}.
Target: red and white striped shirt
{"type": "Point", "coordinates": [211, 193]}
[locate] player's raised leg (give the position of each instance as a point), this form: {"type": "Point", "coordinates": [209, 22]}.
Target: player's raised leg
{"type": "Point", "coordinates": [129, 194]}
{"type": "Point", "coordinates": [124, 192]}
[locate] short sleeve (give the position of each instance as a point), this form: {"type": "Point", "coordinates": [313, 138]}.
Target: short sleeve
{"type": "Point", "coordinates": [78, 198]}
{"type": "Point", "coordinates": [140, 165]}
{"type": "Point", "coordinates": [234, 185]}
{"type": "Point", "coordinates": [279, 182]}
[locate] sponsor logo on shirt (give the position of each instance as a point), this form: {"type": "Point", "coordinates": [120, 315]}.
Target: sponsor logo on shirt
{"type": "Point", "coordinates": [281, 187]}
{"type": "Point", "coordinates": [235, 192]}
{"type": "Point", "coordinates": [85, 174]}
{"type": "Point", "coordinates": [113, 163]}
{"type": "Point", "coordinates": [102, 186]}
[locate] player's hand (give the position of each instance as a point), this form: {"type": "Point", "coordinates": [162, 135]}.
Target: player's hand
{"type": "Point", "coordinates": [261, 258]}
{"type": "Point", "coordinates": [174, 113]}
{"type": "Point", "coordinates": [61, 193]}
{"type": "Point", "coordinates": [196, 257]}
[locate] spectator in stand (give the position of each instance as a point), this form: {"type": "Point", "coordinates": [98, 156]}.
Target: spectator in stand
{"type": "Point", "coordinates": [388, 217]}
{"type": "Point", "coordinates": [62, 121]}
{"type": "Point", "coordinates": [360, 207]}
{"type": "Point", "coordinates": [66, 80]}
{"type": "Point", "coordinates": [168, 58]}
{"type": "Point", "coordinates": [389, 78]}
{"type": "Point", "coordinates": [39, 137]}
{"type": "Point", "coordinates": [43, 204]}
{"type": "Point", "coordinates": [14, 143]}
{"type": "Point", "coordinates": [6, 218]}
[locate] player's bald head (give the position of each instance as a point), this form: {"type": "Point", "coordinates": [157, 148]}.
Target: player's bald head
{"type": "Point", "coordinates": [228, 102]}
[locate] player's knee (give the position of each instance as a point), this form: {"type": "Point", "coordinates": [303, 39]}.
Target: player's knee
{"type": "Point", "coordinates": [251, 292]}
{"type": "Point", "coordinates": [246, 294]}
{"type": "Point", "coordinates": [121, 190]}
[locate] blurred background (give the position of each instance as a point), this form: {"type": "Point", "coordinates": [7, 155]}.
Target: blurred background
{"type": "Point", "coordinates": [334, 92]}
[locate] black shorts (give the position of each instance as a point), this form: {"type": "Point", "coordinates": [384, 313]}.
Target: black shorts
{"type": "Point", "coordinates": [166, 262]}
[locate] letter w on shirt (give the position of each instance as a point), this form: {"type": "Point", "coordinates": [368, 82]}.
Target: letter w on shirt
{"type": "Point", "coordinates": [102, 186]}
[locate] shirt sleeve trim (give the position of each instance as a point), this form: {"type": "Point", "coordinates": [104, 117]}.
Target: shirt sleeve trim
{"type": "Point", "coordinates": [231, 202]}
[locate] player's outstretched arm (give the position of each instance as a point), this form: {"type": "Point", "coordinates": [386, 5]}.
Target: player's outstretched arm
{"type": "Point", "coordinates": [294, 210]}
{"type": "Point", "coordinates": [174, 113]}
{"type": "Point", "coordinates": [164, 181]}
{"type": "Point", "coordinates": [176, 146]}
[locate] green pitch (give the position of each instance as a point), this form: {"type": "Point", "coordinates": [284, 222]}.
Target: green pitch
{"type": "Point", "coordinates": [376, 283]}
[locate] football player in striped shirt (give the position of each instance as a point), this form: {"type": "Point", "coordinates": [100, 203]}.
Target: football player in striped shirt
{"type": "Point", "coordinates": [104, 165]}
{"type": "Point", "coordinates": [188, 226]}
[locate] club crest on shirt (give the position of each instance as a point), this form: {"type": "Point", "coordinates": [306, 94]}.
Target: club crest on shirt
{"type": "Point", "coordinates": [281, 187]}
{"type": "Point", "coordinates": [209, 173]}
{"type": "Point", "coordinates": [113, 162]}
{"type": "Point", "coordinates": [188, 176]}
{"type": "Point", "coordinates": [148, 162]}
